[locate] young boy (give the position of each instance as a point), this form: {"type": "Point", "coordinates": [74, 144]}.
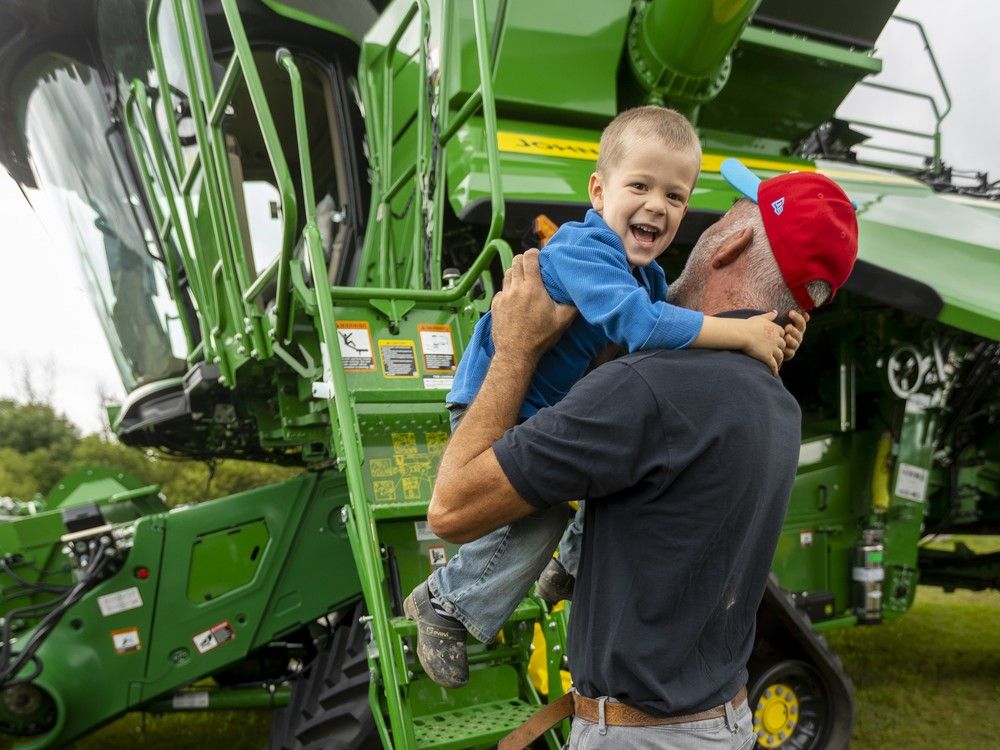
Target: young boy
{"type": "Point", "coordinates": [605, 266]}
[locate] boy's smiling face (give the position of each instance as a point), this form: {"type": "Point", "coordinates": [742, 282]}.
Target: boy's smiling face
{"type": "Point", "coordinates": [644, 197]}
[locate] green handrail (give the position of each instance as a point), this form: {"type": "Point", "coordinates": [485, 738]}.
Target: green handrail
{"type": "Point", "coordinates": [380, 118]}
{"type": "Point", "coordinates": [939, 115]}
{"type": "Point", "coordinates": [138, 99]}
{"type": "Point", "coordinates": [279, 165]}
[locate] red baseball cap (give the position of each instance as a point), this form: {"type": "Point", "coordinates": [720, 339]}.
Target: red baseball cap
{"type": "Point", "coordinates": [810, 223]}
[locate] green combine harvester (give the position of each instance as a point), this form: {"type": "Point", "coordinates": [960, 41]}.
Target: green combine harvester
{"type": "Point", "coordinates": [291, 214]}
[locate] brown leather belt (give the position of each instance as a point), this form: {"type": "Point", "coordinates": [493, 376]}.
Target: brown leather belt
{"type": "Point", "coordinates": [615, 714]}
{"type": "Point", "coordinates": [623, 715]}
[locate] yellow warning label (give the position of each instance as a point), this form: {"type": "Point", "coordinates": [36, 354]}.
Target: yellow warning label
{"type": "Point", "coordinates": [524, 143]}
{"type": "Point", "coordinates": [399, 358]}
{"type": "Point", "coordinates": [407, 473]}
{"type": "Point", "coordinates": [404, 443]}
{"type": "Point", "coordinates": [411, 488]}
{"type": "Point", "coordinates": [381, 467]}
{"type": "Point", "coordinates": [436, 441]}
{"type": "Point", "coordinates": [385, 490]}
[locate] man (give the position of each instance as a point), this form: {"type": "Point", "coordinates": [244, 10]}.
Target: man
{"type": "Point", "coordinates": [686, 460]}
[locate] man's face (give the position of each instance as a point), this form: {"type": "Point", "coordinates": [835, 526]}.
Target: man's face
{"type": "Point", "coordinates": [645, 196]}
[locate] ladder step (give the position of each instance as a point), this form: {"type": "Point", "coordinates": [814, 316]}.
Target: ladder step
{"type": "Point", "coordinates": [410, 509]}
{"type": "Point", "coordinates": [472, 726]}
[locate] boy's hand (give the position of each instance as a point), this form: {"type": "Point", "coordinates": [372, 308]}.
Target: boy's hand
{"type": "Point", "coordinates": [526, 321]}
{"type": "Point", "coordinates": [765, 340]}
{"type": "Point", "coordinates": [794, 332]}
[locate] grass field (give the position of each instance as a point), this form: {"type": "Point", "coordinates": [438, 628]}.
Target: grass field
{"type": "Point", "coordinates": [928, 681]}
{"type": "Point", "coordinates": [931, 679]}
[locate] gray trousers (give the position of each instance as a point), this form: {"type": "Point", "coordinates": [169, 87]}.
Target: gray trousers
{"type": "Point", "coordinates": [734, 731]}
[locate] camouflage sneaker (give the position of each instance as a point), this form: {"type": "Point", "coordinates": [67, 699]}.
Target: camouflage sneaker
{"type": "Point", "coordinates": [555, 583]}
{"type": "Point", "coordinates": [440, 640]}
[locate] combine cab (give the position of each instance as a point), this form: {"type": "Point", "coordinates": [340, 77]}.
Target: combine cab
{"type": "Point", "coordinates": [291, 214]}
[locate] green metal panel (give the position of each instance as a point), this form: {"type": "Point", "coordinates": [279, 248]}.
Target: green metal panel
{"type": "Point", "coordinates": [224, 560]}
{"type": "Point", "coordinates": [558, 71]}
{"type": "Point", "coordinates": [907, 506]}
{"type": "Point", "coordinates": [350, 19]}
{"type": "Point", "coordinates": [302, 518]}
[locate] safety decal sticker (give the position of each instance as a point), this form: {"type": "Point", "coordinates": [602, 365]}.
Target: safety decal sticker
{"type": "Point", "coordinates": [805, 538]}
{"type": "Point", "coordinates": [439, 383]}
{"type": "Point", "coordinates": [399, 358]}
{"type": "Point", "coordinates": [437, 556]}
{"type": "Point", "coordinates": [126, 641]}
{"type": "Point", "coordinates": [438, 348]}
{"type": "Point", "coordinates": [119, 601]}
{"type": "Point", "coordinates": [355, 338]}
{"type": "Point", "coordinates": [911, 482]}
{"type": "Point", "coordinates": [190, 699]}
{"type": "Point", "coordinates": [213, 637]}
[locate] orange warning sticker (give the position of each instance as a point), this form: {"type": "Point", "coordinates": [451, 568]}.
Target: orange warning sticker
{"type": "Point", "coordinates": [438, 348]}
{"type": "Point", "coordinates": [355, 339]}
{"type": "Point", "coordinates": [126, 641]}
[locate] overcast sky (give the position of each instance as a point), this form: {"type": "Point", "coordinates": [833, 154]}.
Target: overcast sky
{"type": "Point", "coordinates": [49, 325]}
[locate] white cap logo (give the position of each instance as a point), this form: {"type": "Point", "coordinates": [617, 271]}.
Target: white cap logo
{"type": "Point", "coordinates": [778, 206]}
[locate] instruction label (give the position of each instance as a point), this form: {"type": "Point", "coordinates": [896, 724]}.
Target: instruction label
{"type": "Point", "coordinates": [355, 339]}
{"type": "Point", "coordinates": [119, 601]}
{"type": "Point", "coordinates": [438, 348]}
{"type": "Point", "coordinates": [911, 482]}
{"type": "Point", "coordinates": [399, 358]}
{"type": "Point", "coordinates": [439, 383]}
{"type": "Point", "coordinates": [214, 637]}
{"type": "Point", "coordinates": [408, 472]}
{"type": "Point", "coordinates": [126, 641]}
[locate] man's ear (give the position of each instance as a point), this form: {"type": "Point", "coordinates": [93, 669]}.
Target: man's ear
{"type": "Point", "coordinates": [733, 247]}
{"type": "Point", "coordinates": [596, 191]}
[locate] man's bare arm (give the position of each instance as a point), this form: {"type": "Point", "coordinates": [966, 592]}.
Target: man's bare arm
{"type": "Point", "coordinates": [472, 495]}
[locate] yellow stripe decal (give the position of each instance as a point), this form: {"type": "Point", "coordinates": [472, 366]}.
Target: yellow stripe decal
{"type": "Point", "coordinates": [539, 145]}
{"type": "Point", "coordinates": [524, 143]}
{"type": "Point", "coordinates": [713, 163]}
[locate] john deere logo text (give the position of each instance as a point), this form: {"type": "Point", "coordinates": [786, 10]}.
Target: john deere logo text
{"type": "Point", "coordinates": [523, 143]}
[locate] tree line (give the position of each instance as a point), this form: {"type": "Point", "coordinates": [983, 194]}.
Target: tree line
{"type": "Point", "coordinates": [39, 445]}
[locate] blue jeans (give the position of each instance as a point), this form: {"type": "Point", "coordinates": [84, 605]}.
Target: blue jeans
{"type": "Point", "coordinates": [485, 581]}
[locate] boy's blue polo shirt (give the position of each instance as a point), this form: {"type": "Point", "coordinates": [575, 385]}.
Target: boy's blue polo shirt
{"type": "Point", "coordinates": [585, 265]}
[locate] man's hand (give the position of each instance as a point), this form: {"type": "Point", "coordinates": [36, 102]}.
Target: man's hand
{"type": "Point", "coordinates": [472, 495]}
{"type": "Point", "coordinates": [526, 322]}
{"type": "Point", "coordinates": [794, 332]}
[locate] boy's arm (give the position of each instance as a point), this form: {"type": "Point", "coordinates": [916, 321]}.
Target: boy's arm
{"type": "Point", "coordinates": [758, 336]}
{"type": "Point", "coordinates": [595, 277]}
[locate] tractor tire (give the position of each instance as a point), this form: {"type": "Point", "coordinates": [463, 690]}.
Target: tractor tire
{"type": "Point", "coordinates": [799, 694]}
{"type": "Point", "coordinates": [791, 707]}
{"type": "Point", "coordinates": [329, 708]}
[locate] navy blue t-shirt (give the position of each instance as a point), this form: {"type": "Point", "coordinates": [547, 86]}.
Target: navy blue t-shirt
{"type": "Point", "coordinates": [686, 460]}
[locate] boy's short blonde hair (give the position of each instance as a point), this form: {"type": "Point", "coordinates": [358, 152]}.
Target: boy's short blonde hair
{"type": "Point", "coordinates": [670, 127]}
